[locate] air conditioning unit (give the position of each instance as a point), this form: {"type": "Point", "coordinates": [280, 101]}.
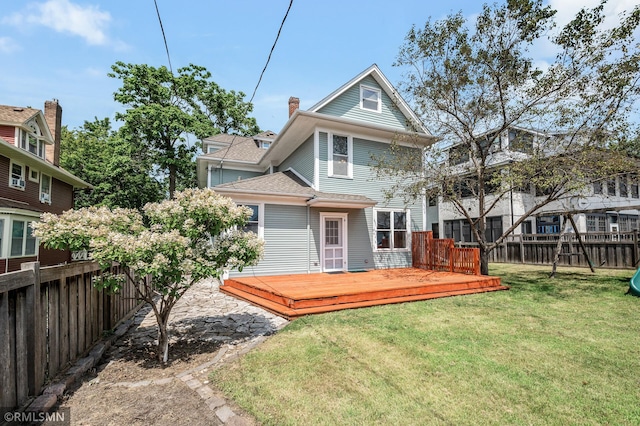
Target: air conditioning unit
{"type": "Point", "coordinates": [45, 198]}
{"type": "Point", "coordinates": [17, 182]}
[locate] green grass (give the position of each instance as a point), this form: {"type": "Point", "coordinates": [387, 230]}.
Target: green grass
{"type": "Point", "coordinates": [558, 351]}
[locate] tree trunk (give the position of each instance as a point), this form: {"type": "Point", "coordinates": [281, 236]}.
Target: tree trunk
{"type": "Point", "coordinates": [556, 256]}
{"type": "Point", "coordinates": [172, 179]}
{"type": "Point", "coordinates": [484, 260]}
{"type": "Point", "coordinates": [163, 337]}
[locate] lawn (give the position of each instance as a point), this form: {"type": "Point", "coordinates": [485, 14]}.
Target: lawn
{"type": "Point", "coordinates": [549, 351]}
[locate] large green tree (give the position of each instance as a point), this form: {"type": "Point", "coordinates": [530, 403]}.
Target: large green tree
{"type": "Point", "coordinates": [472, 82]}
{"type": "Point", "coordinates": [118, 168]}
{"type": "Point", "coordinates": [165, 111]}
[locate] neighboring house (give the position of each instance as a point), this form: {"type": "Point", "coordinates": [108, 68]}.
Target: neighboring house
{"type": "Point", "coordinates": [31, 182]}
{"type": "Point", "coordinates": [316, 200]}
{"type": "Point", "coordinates": [609, 206]}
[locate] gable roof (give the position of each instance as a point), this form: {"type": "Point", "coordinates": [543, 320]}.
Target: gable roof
{"type": "Point", "coordinates": [289, 184]}
{"type": "Point", "coordinates": [386, 86]}
{"type": "Point", "coordinates": [19, 116]}
{"type": "Point", "coordinates": [15, 116]}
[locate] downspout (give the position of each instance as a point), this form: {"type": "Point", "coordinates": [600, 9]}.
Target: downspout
{"type": "Point", "coordinates": [209, 175]}
{"type": "Point", "coordinates": [308, 242]}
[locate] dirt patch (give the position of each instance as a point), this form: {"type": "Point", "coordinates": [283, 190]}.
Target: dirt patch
{"type": "Point", "coordinates": [124, 388]}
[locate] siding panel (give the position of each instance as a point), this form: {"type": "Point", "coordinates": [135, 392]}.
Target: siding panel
{"type": "Point", "coordinates": [301, 160]}
{"type": "Point", "coordinates": [347, 105]}
{"type": "Point", "coordinates": [285, 235]}
{"type": "Point", "coordinates": [219, 176]}
{"type": "Point", "coordinates": [8, 133]}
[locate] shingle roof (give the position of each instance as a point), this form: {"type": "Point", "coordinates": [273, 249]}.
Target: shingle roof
{"type": "Point", "coordinates": [241, 148]}
{"type": "Point", "coordinates": [275, 183]}
{"type": "Point", "coordinates": [17, 115]}
{"type": "Point", "coordinates": [288, 183]}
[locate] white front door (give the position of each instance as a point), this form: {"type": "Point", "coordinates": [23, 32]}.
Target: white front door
{"type": "Point", "coordinates": [334, 242]}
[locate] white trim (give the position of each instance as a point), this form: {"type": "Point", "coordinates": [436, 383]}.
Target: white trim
{"type": "Point", "coordinates": [302, 178]}
{"type": "Point", "coordinates": [385, 85]}
{"type": "Point", "coordinates": [15, 183]}
{"type": "Point", "coordinates": [8, 236]}
{"type": "Point", "coordinates": [260, 215]}
{"type": "Point", "coordinates": [37, 178]}
{"type": "Point", "coordinates": [330, 173]}
{"type": "Point", "coordinates": [375, 230]}
{"type": "Point", "coordinates": [254, 198]}
{"type": "Point", "coordinates": [370, 138]}
{"type": "Point", "coordinates": [316, 159]}
{"type": "Point", "coordinates": [345, 248]}
{"type": "Point", "coordinates": [376, 90]}
{"type": "Point", "coordinates": [209, 168]}
{"type": "Point", "coordinates": [46, 197]}
{"type": "Point", "coordinates": [424, 212]}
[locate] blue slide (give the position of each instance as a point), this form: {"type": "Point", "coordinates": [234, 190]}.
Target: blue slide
{"type": "Point", "coordinates": [634, 284]}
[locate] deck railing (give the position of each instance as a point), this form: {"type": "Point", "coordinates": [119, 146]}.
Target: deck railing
{"type": "Point", "coordinates": [441, 255]}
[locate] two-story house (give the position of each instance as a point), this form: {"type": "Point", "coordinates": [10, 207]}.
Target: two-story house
{"type": "Point", "coordinates": [603, 206]}
{"type": "Point", "coordinates": [316, 199]}
{"type": "Point", "coordinates": [31, 182]}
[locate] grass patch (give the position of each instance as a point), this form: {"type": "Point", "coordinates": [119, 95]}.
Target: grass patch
{"type": "Point", "coordinates": [548, 351]}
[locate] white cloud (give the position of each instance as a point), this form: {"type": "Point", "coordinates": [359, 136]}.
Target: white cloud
{"type": "Point", "coordinates": [63, 16]}
{"type": "Point", "coordinates": [8, 45]}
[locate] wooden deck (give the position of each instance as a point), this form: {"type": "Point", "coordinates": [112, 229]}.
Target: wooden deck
{"type": "Point", "coordinates": [292, 296]}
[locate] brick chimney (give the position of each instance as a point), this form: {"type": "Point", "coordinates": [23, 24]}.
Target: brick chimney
{"type": "Point", "coordinates": [53, 116]}
{"type": "Point", "coordinates": [294, 104]}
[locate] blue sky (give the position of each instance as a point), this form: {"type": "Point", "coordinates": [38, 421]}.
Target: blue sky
{"type": "Point", "coordinates": [64, 49]}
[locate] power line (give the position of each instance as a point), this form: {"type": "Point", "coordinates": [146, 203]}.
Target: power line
{"type": "Point", "coordinates": [166, 46]}
{"type": "Point", "coordinates": [261, 75]}
{"type": "Point", "coordinates": [272, 48]}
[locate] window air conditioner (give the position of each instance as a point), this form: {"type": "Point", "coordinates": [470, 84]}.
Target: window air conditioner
{"type": "Point", "coordinates": [45, 198]}
{"type": "Point", "coordinates": [17, 182]}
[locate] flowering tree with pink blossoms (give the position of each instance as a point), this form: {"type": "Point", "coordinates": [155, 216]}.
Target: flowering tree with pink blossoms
{"type": "Point", "coordinates": [165, 249]}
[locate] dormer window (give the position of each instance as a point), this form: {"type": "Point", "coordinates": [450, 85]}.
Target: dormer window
{"type": "Point", "coordinates": [265, 145]}
{"type": "Point", "coordinates": [32, 140]}
{"type": "Point", "coordinates": [370, 98]}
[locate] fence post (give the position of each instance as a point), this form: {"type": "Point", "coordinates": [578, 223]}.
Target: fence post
{"type": "Point", "coordinates": [36, 344]}
{"type": "Point", "coordinates": [635, 249]}
{"type": "Point", "coordinates": [451, 260]}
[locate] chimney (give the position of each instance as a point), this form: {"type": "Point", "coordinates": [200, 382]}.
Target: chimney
{"type": "Point", "coordinates": [53, 116]}
{"type": "Point", "coordinates": [294, 104]}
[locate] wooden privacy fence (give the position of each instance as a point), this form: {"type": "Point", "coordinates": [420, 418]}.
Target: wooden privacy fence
{"type": "Point", "coordinates": [441, 255]}
{"type": "Point", "coordinates": [48, 318]}
{"type": "Point", "coordinates": [605, 249]}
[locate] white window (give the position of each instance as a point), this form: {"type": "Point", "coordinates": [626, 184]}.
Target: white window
{"type": "Point", "coordinates": [32, 140]}
{"type": "Point", "coordinates": [255, 222]}
{"type": "Point", "coordinates": [370, 98]}
{"type": "Point", "coordinates": [23, 243]}
{"type": "Point", "coordinates": [265, 145]}
{"type": "Point", "coordinates": [16, 180]}
{"type": "Point", "coordinates": [34, 175]}
{"type": "Point", "coordinates": [340, 155]}
{"type": "Point", "coordinates": [45, 189]}
{"type": "Point", "coordinates": [392, 232]}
